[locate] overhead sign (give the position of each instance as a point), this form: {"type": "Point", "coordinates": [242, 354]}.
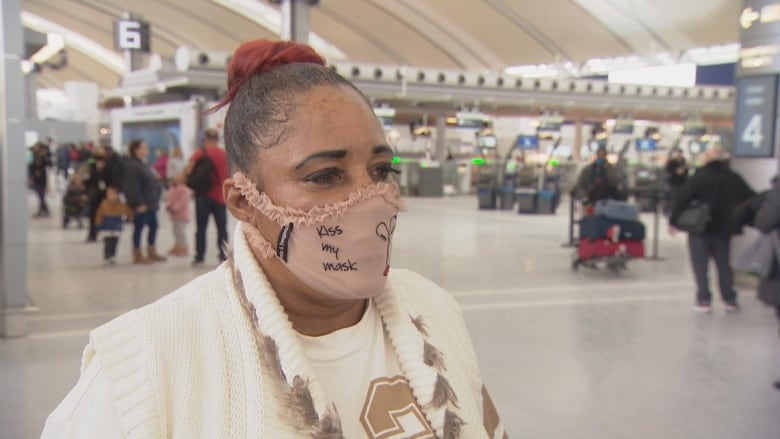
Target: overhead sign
{"type": "Point", "coordinates": [754, 131]}
{"type": "Point", "coordinates": [759, 26]}
{"type": "Point", "coordinates": [643, 145]}
{"type": "Point", "coordinates": [132, 35]}
{"type": "Point", "coordinates": [527, 142]}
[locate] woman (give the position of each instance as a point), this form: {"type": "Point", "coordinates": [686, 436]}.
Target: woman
{"type": "Point", "coordinates": [304, 331]}
{"type": "Point", "coordinates": [142, 193]}
{"type": "Point", "coordinates": [175, 165]}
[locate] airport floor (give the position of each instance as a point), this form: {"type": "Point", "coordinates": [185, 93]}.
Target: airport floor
{"type": "Point", "coordinates": [564, 354]}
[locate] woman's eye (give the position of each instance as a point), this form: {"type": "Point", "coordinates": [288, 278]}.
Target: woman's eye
{"type": "Point", "coordinates": [325, 177]}
{"type": "Point", "coordinates": [383, 172]}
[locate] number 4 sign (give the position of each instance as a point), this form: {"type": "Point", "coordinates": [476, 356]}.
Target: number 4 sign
{"type": "Point", "coordinates": [756, 111]}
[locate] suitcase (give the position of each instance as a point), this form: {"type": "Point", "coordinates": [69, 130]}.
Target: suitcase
{"type": "Point", "coordinates": [619, 210]}
{"type": "Point", "coordinates": [603, 248]}
{"type": "Point", "coordinates": [598, 226]}
{"type": "Point", "coordinates": [526, 200]}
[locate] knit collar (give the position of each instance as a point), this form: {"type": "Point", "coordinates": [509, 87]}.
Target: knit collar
{"type": "Point", "coordinates": [420, 362]}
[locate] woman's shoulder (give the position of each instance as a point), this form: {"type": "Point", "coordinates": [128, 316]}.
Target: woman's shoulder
{"type": "Point", "coordinates": [178, 314]}
{"type": "Point", "coordinates": [420, 292]}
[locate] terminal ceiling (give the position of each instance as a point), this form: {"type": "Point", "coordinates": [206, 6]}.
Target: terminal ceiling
{"type": "Point", "coordinates": [453, 34]}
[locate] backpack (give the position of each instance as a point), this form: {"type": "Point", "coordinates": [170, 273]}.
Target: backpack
{"type": "Point", "coordinates": [201, 177]}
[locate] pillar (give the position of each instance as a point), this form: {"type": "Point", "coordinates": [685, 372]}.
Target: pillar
{"type": "Point", "coordinates": [441, 138]}
{"type": "Point", "coordinates": [295, 19]}
{"type": "Point", "coordinates": [576, 150]}
{"type": "Point", "coordinates": [13, 175]}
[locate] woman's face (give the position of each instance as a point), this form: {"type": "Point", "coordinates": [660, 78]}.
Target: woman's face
{"type": "Point", "coordinates": [143, 151]}
{"type": "Point", "coordinates": [336, 145]}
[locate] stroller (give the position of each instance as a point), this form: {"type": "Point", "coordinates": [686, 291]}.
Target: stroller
{"type": "Point", "coordinates": [611, 236]}
{"type": "Point", "coordinates": [75, 203]}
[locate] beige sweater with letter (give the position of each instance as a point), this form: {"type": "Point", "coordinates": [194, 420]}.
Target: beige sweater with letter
{"type": "Point", "coordinates": [218, 358]}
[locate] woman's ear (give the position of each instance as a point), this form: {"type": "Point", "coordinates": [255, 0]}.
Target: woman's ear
{"type": "Point", "coordinates": [238, 206]}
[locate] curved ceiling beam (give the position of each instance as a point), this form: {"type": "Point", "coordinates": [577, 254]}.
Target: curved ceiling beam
{"type": "Point", "coordinates": [366, 35]}
{"type": "Point", "coordinates": [173, 38]}
{"type": "Point", "coordinates": [624, 26]}
{"type": "Point", "coordinates": [271, 19]}
{"type": "Point", "coordinates": [79, 42]}
{"type": "Point", "coordinates": [459, 44]}
{"type": "Point", "coordinates": [530, 29]}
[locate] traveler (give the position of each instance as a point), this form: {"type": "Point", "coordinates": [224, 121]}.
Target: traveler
{"type": "Point", "coordinates": [722, 189]}
{"type": "Point", "coordinates": [272, 343]}
{"type": "Point", "coordinates": [767, 220]}
{"type": "Point", "coordinates": [38, 172]}
{"type": "Point", "coordinates": [104, 172]}
{"type": "Point", "coordinates": [211, 202]}
{"type": "Point", "coordinates": [176, 164]}
{"type": "Point", "coordinates": [178, 198]}
{"type": "Point", "coordinates": [676, 173]}
{"type": "Point", "coordinates": [110, 217]}
{"type": "Point", "coordinates": [598, 181]}
{"type": "Point", "coordinates": [142, 193]}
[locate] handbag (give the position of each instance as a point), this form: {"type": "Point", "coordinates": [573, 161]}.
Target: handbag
{"type": "Point", "coordinates": [695, 218]}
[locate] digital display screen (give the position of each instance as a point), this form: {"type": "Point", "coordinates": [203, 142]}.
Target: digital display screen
{"type": "Point", "coordinates": [487, 141]}
{"type": "Point", "coordinates": [527, 142]}
{"type": "Point", "coordinates": [646, 145]}
{"type": "Point", "coordinates": [159, 135]}
{"type": "Point", "coordinates": [623, 127]}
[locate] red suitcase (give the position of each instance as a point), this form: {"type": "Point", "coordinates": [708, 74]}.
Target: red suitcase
{"type": "Point", "coordinates": [603, 248]}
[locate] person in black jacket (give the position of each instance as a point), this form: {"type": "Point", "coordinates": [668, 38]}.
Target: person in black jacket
{"type": "Point", "coordinates": [38, 168]}
{"type": "Point", "coordinates": [676, 174]}
{"type": "Point", "coordinates": [104, 172]}
{"type": "Point", "coordinates": [767, 220]}
{"type": "Point", "coordinates": [723, 189]}
{"type": "Point", "coordinates": [142, 193]}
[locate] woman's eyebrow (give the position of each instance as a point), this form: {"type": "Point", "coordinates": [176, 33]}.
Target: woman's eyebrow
{"type": "Point", "coordinates": [383, 149]}
{"type": "Point", "coordinates": [322, 155]}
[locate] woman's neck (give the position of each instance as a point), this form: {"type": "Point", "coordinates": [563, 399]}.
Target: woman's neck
{"type": "Point", "coordinates": [310, 312]}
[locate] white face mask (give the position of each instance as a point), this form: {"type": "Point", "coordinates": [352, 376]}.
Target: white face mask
{"type": "Point", "coordinates": [341, 250]}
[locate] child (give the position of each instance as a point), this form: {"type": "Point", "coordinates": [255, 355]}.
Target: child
{"type": "Point", "coordinates": [177, 202]}
{"type": "Point", "coordinates": [109, 218]}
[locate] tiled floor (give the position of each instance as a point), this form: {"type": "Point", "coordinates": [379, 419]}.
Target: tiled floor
{"type": "Point", "coordinates": [565, 354]}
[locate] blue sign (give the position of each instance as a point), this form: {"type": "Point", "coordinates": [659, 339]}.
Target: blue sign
{"type": "Point", "coordinates": [527, 142]}
{"type": "Point", "coordinates": [645, 145]}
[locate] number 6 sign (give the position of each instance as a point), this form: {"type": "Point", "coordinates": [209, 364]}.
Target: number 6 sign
{"type": "Point", "coordinates": [131, 35]}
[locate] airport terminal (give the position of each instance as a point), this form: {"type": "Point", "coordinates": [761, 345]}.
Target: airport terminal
{"type": "Point", "coordinates": [390, 219]}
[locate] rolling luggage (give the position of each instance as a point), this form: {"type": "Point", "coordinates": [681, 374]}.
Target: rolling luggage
{"type": "Point", "coordinates": [619, 210]}
{"type": "Point", "coordinates": [598, 227]}
{"type": "Point", "coordinates": [603, 248]}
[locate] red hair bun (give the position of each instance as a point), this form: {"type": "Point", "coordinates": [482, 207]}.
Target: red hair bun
{"type": "Point", "coordinates": [259, 56]}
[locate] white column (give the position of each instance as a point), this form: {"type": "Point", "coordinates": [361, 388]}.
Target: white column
{"type": "Point", "coordinates": [13, 175]}
{"type": "Point", "coordinates": [295, 19]}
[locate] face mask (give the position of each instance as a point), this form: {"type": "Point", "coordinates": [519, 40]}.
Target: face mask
{"type": "Point", "coordinates": [341, 250]}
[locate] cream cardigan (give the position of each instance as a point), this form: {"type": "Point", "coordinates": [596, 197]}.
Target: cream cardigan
{"type": "Point", "coordinates": [192, 364]}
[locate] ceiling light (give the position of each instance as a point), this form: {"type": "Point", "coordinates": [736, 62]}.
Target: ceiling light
{"type": "Point", "coordinates": [54, 43]}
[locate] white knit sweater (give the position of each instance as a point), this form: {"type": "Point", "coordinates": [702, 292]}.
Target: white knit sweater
{"type": "Point", "coordinates": [192, 366]}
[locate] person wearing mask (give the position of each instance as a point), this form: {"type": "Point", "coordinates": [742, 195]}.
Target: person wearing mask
{"type": "Point", "coordinates": [38, 171]}
{"type": "Point", "coordinates": [142, 193]}
{"type": "Point", "coordinates": [212, 202]}
{"type": "Point", "coordinates": [305, 331]}
{"type": "Point", "coordinates": [176, 164]}
{"type": "Point", "coordinates": [598, 180]}
{"type": "Point", "coordinates": [722, 189]}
